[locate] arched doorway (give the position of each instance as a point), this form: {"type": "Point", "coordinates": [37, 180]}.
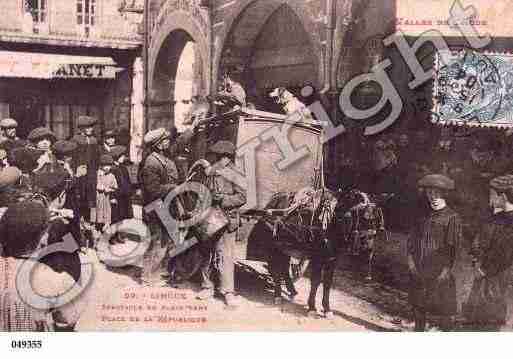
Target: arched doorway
{"type": "Point", "coordinates": [177, 76]}
{"type": "Point", "coordinates": [265, 55]}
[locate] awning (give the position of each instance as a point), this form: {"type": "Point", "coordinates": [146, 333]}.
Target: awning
{"type": "Point", "coordinates": [50, 66]}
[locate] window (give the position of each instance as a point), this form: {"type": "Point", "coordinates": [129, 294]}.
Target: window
{"type": "Point", "coordinates": [38, 9]}
{"type": "Point", "coordinates": [86, 15]}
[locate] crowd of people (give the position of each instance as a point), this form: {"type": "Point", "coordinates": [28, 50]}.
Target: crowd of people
{"type": "Point", "coordinates": [50, 188]}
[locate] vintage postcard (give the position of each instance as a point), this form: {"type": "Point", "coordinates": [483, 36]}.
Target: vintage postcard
{"type": "Point", "coordinates": [256, 165]}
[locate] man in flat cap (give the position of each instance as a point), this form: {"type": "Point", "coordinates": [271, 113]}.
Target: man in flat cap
{"type": "Point", "coordinates": [218, 252]}
{"type": "Point", "coordinates": [432, 248]}
{"type": "Point", "coordinates": [86, 161]}
{"type": "Point", "coordinates": [8, 129]}
{"type": "Point", "coordinates": [491, 296]}
{"type": "Point", "coordinates": [159, 175]}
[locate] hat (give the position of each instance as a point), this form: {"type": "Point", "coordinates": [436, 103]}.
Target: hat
{"type": "Point", "coordinates": [40, 133]}
{"type": "Point", "coordinates": [8, 123]}
{"type": "Point", "coordinates": [21, 227]}
{"type": "Point", "coordinates": [51, 183]}
{"type": "Point", "coordinates": [106, 160]}
{"type": "Point", "coordinates": [502, 183]}
{"type": "Point", "coordinates": [24, 158]}
{"type": "Point", "coordinates": [154, 137]}
{"type": "Point", "coordinates": [223, 147]}
{"type": "Point", "coordinates": [117, 151]}
{"type": "Point", "coordinates": [110, 134]}
{"type": "Point", "coordinates": [64, 148]}
{"type": "Point", "coordinates": [9, 176]}
{"type": "Point", "coordinates": [437, 181]}
{"type": "Point", "coordinates": [86, 121]}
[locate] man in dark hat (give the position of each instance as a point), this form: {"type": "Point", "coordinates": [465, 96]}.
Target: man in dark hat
{"type": "Point", "coordinates": [432, 248]}
{"type": "Point", "coordinates": [85, 161]}
{"type": "Point", "coordinates": [159, 175]}
{"type": "Point", "coordinates": [490, 299]}
{"type": "Point", "coordinates": [219, 251]}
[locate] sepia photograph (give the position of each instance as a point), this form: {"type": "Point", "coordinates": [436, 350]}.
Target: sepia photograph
{"type": "Point", "coordinates": [255, 166]}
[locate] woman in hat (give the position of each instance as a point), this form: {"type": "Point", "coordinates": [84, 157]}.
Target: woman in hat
{"type": "Point", "coordinates": [106, 187]}
{"type": "Point", "coordinates": [21, 229]}
{"type": "Point", "coordinates": [42, 139]}
{"type": "Point", "coordinates": [493, 252]}
{"type": "Point", "coordinates": [432, 248]}
{"type": "Point", "coordinates": [109, 141]}
{"type": "Point", "coordinates": [50, 189]}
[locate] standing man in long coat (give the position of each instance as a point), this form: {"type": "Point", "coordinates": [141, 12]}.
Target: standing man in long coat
{"type": "Point", "coordinates": [493, 251]}
{"type": "Point", "coordinates": [86, 161]}
{"type": "Point", "coordinates": [158, 175]}
{"type": "Point", "coordinates": [432, 249]}
{"type": "Point", "coordinates": [218, 252]}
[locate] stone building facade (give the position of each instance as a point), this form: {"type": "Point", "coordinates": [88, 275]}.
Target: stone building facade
{"type": "Point", "coordinates": [65, 58]}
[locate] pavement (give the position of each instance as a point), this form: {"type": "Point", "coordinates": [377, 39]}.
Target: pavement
{"type": "Point", "coordinates": [117, 301]}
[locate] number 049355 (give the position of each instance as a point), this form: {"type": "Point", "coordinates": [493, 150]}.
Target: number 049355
{"type": "Point", "coordinates": [26, 344]}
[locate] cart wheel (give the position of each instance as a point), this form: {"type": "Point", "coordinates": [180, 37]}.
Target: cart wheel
{"type": "Point", "coordinates": [298, 268]}
{"type": "Point", "coordinates": [185, 265]}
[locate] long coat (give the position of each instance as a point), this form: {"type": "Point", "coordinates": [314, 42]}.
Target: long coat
{"type": "Point", "coordinates": [433, 244]}
{"type": "Point", "coordinates": [87, 154]}
{"type": "Point", "coordinates": [123, 209]}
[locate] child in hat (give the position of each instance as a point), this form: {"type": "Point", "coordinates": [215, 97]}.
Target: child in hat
{"type": "Point", "coordinates": [123, 209]}
{"type": "Point", "coordinates": [106, 187]}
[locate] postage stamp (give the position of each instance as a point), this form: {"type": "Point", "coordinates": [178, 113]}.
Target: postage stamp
{"type": "Point", "coordinates": [473, 88]}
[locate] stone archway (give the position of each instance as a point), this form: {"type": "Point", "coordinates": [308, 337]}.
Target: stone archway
{"type": "Point", "coordinates": [256, 39]}
{"type": "Point", "coordinates": [166, 48]}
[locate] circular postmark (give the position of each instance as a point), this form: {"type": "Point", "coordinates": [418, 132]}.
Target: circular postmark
{"type": "Point", "coordinates": [468, 88]}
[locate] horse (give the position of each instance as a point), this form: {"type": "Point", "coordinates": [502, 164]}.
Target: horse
{"type": "Point", "coordinates": [306, 229]}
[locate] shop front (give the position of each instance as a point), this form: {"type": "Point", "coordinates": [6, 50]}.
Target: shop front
{"type": "Point", "coordinates": [54, 90]}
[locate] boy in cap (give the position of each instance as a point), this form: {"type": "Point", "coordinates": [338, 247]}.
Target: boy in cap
{"type": "Point", "coordinates": [432, 248]}
{"type": "Point", "coordinates": [493, 251]}
{"type": "Point", "coordinates": [86, 161]}
{"type": "Point", "coordinates": [219, 251]}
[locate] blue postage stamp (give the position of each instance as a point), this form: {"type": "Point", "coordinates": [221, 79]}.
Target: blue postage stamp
{"type": "Point", "coordinates": [473, 88]}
